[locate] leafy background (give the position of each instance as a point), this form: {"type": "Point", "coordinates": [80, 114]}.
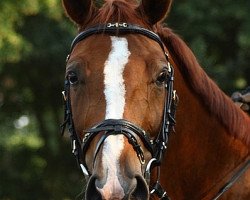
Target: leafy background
{"type": "Point", "coordinates": [35, 35]}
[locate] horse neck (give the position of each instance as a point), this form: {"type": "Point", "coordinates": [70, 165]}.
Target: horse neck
{"type": "Point", "coordinates": [201, 155]}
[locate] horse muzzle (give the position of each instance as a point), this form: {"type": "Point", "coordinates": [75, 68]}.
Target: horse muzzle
{"type": "Point", "coordinates": [118, 162]}
{"type": "Point", "coordinates": [121, 188]}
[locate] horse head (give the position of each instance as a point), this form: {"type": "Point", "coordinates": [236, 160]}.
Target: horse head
{"type": "Point", "coordinates": [118, 79]}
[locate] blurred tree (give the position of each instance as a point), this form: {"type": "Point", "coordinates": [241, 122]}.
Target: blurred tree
{"type": "Point", "coordinates": [218, 33]}
{"type": "Point", "coordinates": [34, 41]}
{"type": "Point", "coordinates": [12, 13]}
{"type": "Point", "coordinates": [35, 161]}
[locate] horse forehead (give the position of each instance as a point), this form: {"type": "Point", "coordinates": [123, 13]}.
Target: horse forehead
{"type": "Point", "coordinates": [95, 51]}
{"type": "Point", "coordinates": [99, 46]}
{"type": "Point", "coordinates": [92, 48]}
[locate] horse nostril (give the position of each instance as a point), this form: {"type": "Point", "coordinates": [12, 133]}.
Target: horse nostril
{"type": "Point", "coordinates": [141, 191]}
{"type": "Point", "coordinates": [91, 192]}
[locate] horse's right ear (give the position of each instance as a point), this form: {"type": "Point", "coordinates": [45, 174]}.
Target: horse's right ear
{"type": "Point", "coordinates": [155, 10]}
{"type": "Point", "coordinates": [78, 10]}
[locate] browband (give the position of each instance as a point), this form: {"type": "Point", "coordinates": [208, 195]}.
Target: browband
{"type": "Point", "coordinates": [115, 29]}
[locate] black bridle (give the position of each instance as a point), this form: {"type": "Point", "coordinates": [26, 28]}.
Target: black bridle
{"type": "Point", "coordinates": [156, 147]}
{"type": "Point", "coordinates": [131, 131]}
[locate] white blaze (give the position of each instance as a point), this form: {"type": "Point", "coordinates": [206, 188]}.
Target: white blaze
{"type": "Point", "coordinates": [115, 102]}
{"type": "Point", "coordinates": [112, 149]}
{"type": "Point", "coordinates": [113, 78]}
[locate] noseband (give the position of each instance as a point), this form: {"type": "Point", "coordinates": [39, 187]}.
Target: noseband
{"type": "Point", "coordinates": [131, 131]}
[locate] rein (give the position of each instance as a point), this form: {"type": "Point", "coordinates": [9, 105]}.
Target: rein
{"type": "Point", "coordinates": [231, 182]}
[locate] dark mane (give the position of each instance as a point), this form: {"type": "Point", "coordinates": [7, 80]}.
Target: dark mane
{"type": "Point", "coordinates": [117, 11]}
{"type": "Point", "coordinates": [237, 122]}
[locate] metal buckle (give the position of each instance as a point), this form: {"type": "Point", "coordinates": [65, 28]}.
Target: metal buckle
{"type": "Point", "coordinates": [85, 137]}
{"type": "Point", "coordinates": [141, 158]}
{"type": "Point", "coordinates": [147, 173]}
{"type": "Point", "coordinates": [169, 67]}
{"type": "Point", "coordinates": [64, 95]}
{"type": "Point", "coordinates": [74, 146]}
{"type": "Point", "coordinates": [84, 170]}
{"type": "Point", "coordinates": [67, 58]}
{"type": "Point", "coordinates": [174, 95]}
{"type": "Point", "coordinates": [117, 25]}
{"type": "Point", "coordinates": [164, 145]}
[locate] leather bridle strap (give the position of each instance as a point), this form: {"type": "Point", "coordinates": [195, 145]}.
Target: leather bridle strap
{"type": "Point", "coordinates": [156, 147]}
{"type": "Point", "coordinates": [68, 121]}
{"type": "Point", "coordinates": [114, 127]}
{"type": "Point", "coordinates": [232, 181]}
{"type": "Point", "coordinates": [115, 29]}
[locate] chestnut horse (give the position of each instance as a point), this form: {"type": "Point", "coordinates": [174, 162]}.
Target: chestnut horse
{"type": "Point", "coordinates": [120, 109]}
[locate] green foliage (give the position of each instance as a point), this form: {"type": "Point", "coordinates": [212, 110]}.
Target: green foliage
{"type": "Point", "coordinates": [35, 160]}
{"type": "Point", "coordinates": [13, 46]}
{"type": "Point", "coordinates": [34, 40]}
{"type": "Point", "coordinates": [218, 33]}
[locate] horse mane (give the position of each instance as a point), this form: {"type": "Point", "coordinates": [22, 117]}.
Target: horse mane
{"type": "Point", "coordinates": [117, 11]}
{"type": "Point", "coordinates": [232, 117]}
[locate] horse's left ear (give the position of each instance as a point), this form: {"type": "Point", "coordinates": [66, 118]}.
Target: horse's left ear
{"type": "Point", "coordinates": [155, 10]}
{"type": "Point", "coordinates": [78, 10]}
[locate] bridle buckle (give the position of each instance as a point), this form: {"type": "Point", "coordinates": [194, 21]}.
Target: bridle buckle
{"type": "Point", "coordinates": [117, 25]}
{"type": "Point", "coordinates": [64, 96]}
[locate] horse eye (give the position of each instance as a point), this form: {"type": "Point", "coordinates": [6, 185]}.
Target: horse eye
{"type": "Point", "coordinates": [72, 77]}
{"type": "Point", "coordinates": [162, 77]}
